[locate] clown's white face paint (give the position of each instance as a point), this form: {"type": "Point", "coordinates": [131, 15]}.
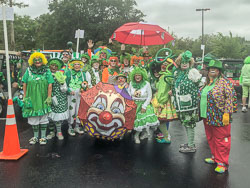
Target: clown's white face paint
{"type": "Point", "coordinates": [184, 66]}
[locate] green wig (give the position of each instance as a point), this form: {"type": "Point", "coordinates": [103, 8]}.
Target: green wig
{"type": "Point", "coordinates": [138, 70]}
{"type": "Point", "coordinates": [125, 56]}
{"type": "Point", "coordinates": [56, 61]}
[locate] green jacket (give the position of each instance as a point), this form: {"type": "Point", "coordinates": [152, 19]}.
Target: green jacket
{"type": "Point", "coordinates": [245, 75]}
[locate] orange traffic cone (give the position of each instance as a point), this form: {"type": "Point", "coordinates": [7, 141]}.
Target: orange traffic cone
{"type": "Point", "coordinates": [11, 146]}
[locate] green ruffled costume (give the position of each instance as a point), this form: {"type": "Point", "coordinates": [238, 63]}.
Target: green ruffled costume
{"type": "Point", "coordinates": [37, 81]}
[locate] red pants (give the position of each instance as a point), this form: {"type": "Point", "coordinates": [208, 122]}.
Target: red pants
{"type": "Point", "coordinates": [219, 140]}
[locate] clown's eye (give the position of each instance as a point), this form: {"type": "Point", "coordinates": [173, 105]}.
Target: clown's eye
{"type": "Point", "coordinates": [117, 107]}
{"type": "Point", "coordinates": [116, 110]}
{"type": "Point", "coordinates": [100, 106]}
{"type": "Point", "coordinates": [100, 102]}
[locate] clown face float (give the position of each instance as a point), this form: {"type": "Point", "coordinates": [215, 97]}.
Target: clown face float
{"type": "Point", "coordinates": [106, 111]}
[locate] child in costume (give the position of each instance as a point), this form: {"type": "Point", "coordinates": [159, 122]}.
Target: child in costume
{"type": "Point", "coordinates": [37, 88]}
{"type": "Point", "coordinates": [109, 73]}
{"type": "Point", "coordinates": [74, 80]}
{"type": "Point", "coordinates": [94, 75]}
{"type": "Point", "coordinates": [59, 99]}
{"type": "Point", "coordinates": [163, 106]}
{"type": "Point", "coordinates": [140, 91]}
{"type": "Point", "coordinates": [185, 91]}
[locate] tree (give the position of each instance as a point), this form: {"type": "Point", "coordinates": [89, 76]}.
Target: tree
{"type": "Point", "coordinates": [99, 18]}
{"type": "Point", "coordinates": [12, 4]}
{"type": "Point", "coordinates": [229, 46]}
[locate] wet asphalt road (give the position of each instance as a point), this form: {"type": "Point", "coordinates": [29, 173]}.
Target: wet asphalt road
{"type": "Point", "coordinates": [82, 161]}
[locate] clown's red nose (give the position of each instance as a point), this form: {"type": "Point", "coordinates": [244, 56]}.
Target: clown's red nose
{"type": "Point", "coordinates": [105, 117]}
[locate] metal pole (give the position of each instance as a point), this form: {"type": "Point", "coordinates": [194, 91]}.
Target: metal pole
{"type": "Point", "coordinates": [6, 52]}
{"type": "Point", "coordinates": [202, 26]}
{"type": "Point", "coordinates": [77, 43]}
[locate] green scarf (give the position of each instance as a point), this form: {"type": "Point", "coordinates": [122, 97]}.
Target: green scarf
{"type": "Point", "coordinates": [138, 85]}
{"type": "Point", "coordinates": [41, 70]}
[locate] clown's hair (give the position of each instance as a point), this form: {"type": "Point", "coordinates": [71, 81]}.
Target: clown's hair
{"type": "Point", "coordinates": [138, 70]}
{"type": "Point", "coordinates": [37, 55]}
{"type": "Point", "coordinates": [179, 58]}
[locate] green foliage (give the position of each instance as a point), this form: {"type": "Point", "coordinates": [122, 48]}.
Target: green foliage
{"type": "Point", "coordinates": [99, 18]}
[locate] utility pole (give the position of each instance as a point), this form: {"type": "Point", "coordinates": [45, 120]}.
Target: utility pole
{"type": "Point", "coordinates": [202, 20]}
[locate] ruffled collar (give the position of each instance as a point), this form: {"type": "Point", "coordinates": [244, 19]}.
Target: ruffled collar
{"type": "Point", "coordinates": [41, 70]}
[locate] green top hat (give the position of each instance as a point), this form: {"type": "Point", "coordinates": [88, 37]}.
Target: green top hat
{"type": "Point", "coordinates": [215, 64]}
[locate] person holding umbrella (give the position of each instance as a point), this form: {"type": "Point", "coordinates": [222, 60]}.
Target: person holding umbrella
{"type": "Point", "coordinates": [216, 108]}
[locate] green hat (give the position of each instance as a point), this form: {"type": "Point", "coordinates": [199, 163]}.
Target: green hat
{"type": "Point", "coordinates": [121, 75]}
{"type": "Point", "coordinates": [208, 57]}
{"type": "Point", "coordinates": [85, 56]}
{"type": "Point", "coordinates": [56, 61]}
{"type": "Point", "coordinates": [95, 59]}
{"type": "Point", "coordinates": [247, 60]}
{"type": "Point", "coordinates": [215, 64]}
{"type": "Point", "coordinates": [186, 56]}
{"type": "Point", "coordinates": [75, 59]}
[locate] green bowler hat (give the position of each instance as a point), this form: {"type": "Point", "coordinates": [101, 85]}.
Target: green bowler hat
{"type": "Point", "coordinates": [215, 64]}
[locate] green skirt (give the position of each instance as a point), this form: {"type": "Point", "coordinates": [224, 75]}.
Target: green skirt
{"type": "Point", "coordinates": [145, 120]}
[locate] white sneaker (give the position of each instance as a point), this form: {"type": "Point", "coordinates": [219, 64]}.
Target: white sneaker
{"type": "Point", "coordinates": [137, 140]}
{"type": "Point", "coordinates": [60, 136]}
{"type": "Point", "coordinates": [244, 109]}
{"type": "Point", "coordinates": [71, 132]}
{"type": "Point", "coordinates": [144, 135]}
{"type": "Point", "coordinates": [79, 130]}
{"type": "Point", "coordinates": [50, 135]}
{"type": "Point", "coordinates": [33, 140]}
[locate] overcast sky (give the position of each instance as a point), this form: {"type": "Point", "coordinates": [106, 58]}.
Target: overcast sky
{"type": "Point", "coordinates": [180, 16]}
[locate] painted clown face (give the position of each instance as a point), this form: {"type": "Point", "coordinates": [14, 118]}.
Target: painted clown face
{"type": "Point", "coordinates": [103, 55]}
{"type": "Point", "coordinates": [113, 61]}
{"type": "Point", "coordinates": [107, 113]}
{"type": "Point", "coordinates": [121, 80]}
{"type": "Point", "coordinates": [126, 62]}
{"type": "Point", "coordinates": [53, 68]}
{"type": "Point", "coordinates": [38, 62]}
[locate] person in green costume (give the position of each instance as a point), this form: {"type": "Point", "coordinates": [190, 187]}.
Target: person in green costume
{"type": "Point", "coordinates": [245, 82]}
{"type": "Point", "coordinates": [163, 106]}
{"type": "Point", "coordinates": [74, 80]}
{"type": "Point", "coordinates": [140, 91]}
{"type": "Point", "coordinates": [185, 91]}
{"type": "Point", "coordinates": [59, 99]}
{"type": "Point", "coordinates": [86, 60]}
{"type": "Point", "coordinates": [94, 75]}
{"type": "Point", "coordinates": [37, 88]}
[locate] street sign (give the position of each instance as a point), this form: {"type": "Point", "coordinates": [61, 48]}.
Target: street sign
{"type": "Point", "coordinates": [79, 34]}
{"type": "Point", "coordinates": [9, 13]}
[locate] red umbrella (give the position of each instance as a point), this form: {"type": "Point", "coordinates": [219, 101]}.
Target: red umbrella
{"type": "Point", "coordinates": [143, 34]}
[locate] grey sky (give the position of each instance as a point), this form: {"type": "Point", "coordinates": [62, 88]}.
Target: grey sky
{"type": "Point", "coordinates": [180, 16]}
